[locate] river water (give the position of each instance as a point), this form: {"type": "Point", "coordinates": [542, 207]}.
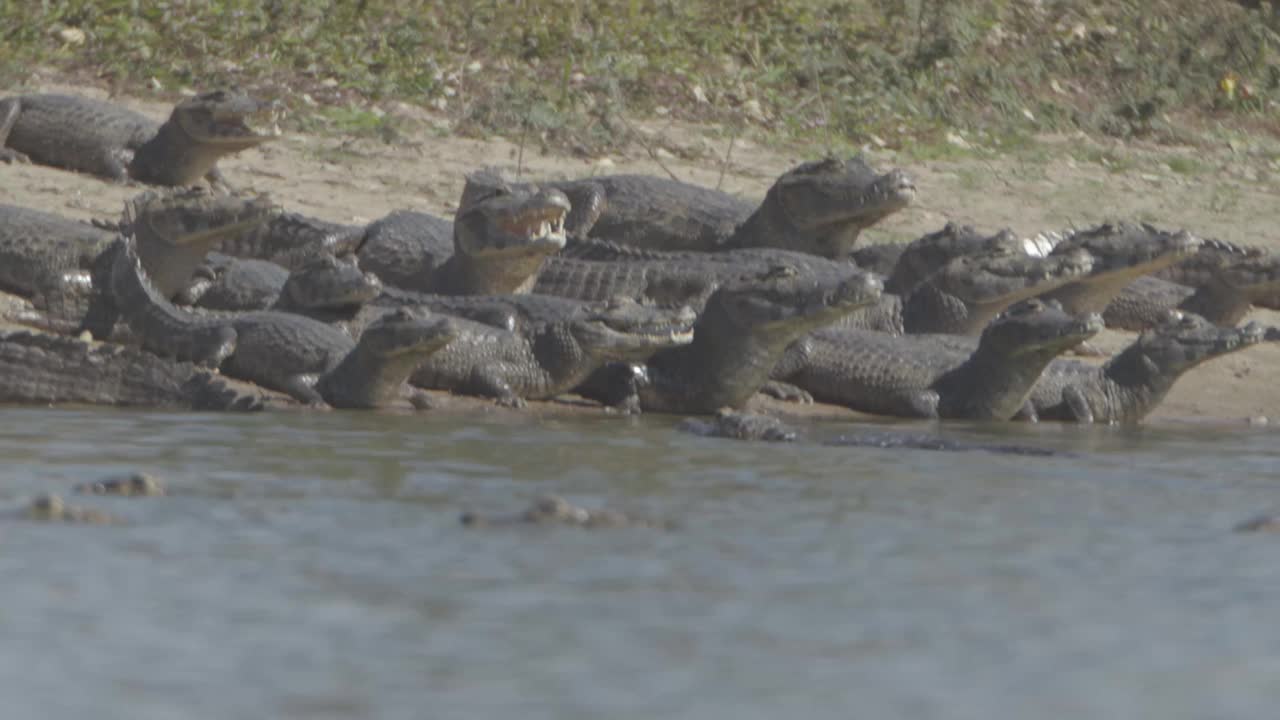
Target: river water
{"type": "Point", "coordinates": [313, 566]}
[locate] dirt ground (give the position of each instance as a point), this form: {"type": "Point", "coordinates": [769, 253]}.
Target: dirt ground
{"type": "Point", "coordinates": [1228, 192]}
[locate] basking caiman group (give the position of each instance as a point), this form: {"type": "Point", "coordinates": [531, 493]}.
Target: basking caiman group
{"type": "Point", "coordinates": [638, 293]}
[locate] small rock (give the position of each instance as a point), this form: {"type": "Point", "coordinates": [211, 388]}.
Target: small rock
{"type": "Point", "coordinates": [474, 66]}
{"type": "Point", "coordinates": [329, 83]}
{"type": "Point", "coordinates": [72, 36]}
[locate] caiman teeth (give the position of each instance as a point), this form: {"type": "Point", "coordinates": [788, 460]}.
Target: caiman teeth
{"type": "Point", "coordinates": [537, 223]}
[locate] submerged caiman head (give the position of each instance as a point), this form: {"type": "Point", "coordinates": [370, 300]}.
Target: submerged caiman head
{"type": "Point", "coordinates": [229, 120]}
{"type": "Point", "coordinates": [326, 282]}
{"type": "Point", "coordinates": [783, 302]}
{"type": "Point", "coordinates": [1037, 327]}
{"type": "Point", "coordinates": [407, 330]}
{"type": "Point", "coordinates": [1184, 340]}
{"type": "Point", "coordinates": [623, 329]}
{"type": "Point", "coordinates": [822, 206]}
{"type": "Point", "coordinates": [175, 229]}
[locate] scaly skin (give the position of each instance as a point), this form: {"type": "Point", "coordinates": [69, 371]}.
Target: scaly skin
{"type": "Point", "coordinates": [172, 232]}
{"type": "Point", "coordinates": [277, 350]}
{"type": "Point", "coordinates": [959, 296]}
{"type": "Point", "coordinates": [1229, 281]}
{"type": "Point", "coordinates": [969, 291]}
{"type": "Point", "coordinates": [38, 249]}
{"type": "Point", "coordinates": [104, 139]}
{"type": "Point", "coordinates": [508, 312]}
{"type": "Point", "coordinates": [1121, 252]}
{"type": "Point", "coordinates": [925, 376]}
{"type": "Point", "coordinates": [817, 207]}
{"type": "Point", "coordinates": [325, 288]}
{"type": "Point", "coordinates": [594, 270]}
{"type": "Point", "coordinates": [291, 240]}
{"type": "Point", "coordinates": [41, 369]}
{"type": "Point", "coordinates": [743, 331]}
{"type": "Point", "coordinates": [1131, 384]}
{"type": "Point", "coordinates": [405, 248]}
{"type": "Point", "coordinates": [549, 356]}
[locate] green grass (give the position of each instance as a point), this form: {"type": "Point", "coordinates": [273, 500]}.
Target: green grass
{"type": "Point", "coordinates": [828, 73]}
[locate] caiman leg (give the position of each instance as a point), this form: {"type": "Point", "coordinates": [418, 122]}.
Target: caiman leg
{"type": "Point", "coordinates": [9, 110]}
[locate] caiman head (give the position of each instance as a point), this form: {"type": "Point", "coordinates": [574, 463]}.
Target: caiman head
{"type": "Point", "coordinates": [175, 229]}
{"type": "Point", "coordinates": [1129, 248]}
{"type": "Point", "coordinates": [1002, 273]}
{"type": "Point", "coordinates": [822, 206]}
{"type": "Point", "coordinates": [1256, 274]}
{"type": "Point", "coordinates": [1038, 328]}
{"type": "Point", "coordinates": [227, 120]}
{"type": "Point", "coordinates": [498, 219]}
{"type": "Point", "coordinates": [1121, 252]}
{"type": "Point", "coordinates": [925, 255]}
{"type": "Point", "coordinates": [624, 330]}
{"type": "Point", "coordinates": [1183, 340]}
{"type": "Point", "coordinates": [326, 282]}
{"type": "Point", "coordinates": [783, 302]}
{"type": "Point", "coordinates": [407, 330]}
{"type": "Point", "coordinates": [503, 232]}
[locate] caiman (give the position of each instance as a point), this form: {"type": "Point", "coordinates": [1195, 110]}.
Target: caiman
{"type": "Point", "coordinates": [817, 207]}
{"type": "Point", "coordinates": [310, 360]}
{"type": "Point", "coordinates": [325, 287]}
{"type": "Point", "coordinates": [741, 334]}
{"type": "Point", "coordinates": [105, 139]}
{"type": "Point", "coordinates": [1133, 382]}
{"type": "Point", "coordinates": [959, 296]}
{"type": "Point", "coordinates": [42, 369]}
{"type": "Point", "coordinates": [1121, 252]}
{"type": "Point", "coordinates": [53, 261]}
{"type": "Point", "coordinates": [547, 356]}
{"type": "Point", "coordinates": [924, 376]}
{"type": "Point", "coordinates": [1223, 281]}
{"type": "Point", "coordinates": [290, 240]}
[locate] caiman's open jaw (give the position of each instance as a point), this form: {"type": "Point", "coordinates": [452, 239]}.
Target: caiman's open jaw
{"type": "Point", "coordinates": [626, 327]}
{"type": "Point", "coordinates": [518, 223]}
{"type": "Point", "coordinates": [230, 120]}
{"type": "Point", "coordinates": [538, 225]}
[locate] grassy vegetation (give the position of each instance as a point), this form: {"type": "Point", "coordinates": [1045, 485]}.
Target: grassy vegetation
{"type": "Point", "coordinates": [834, 73]}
